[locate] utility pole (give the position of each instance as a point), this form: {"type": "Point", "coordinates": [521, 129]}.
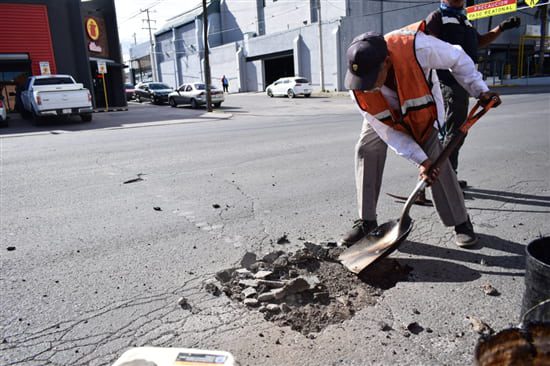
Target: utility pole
{"type": "Point", "coordinates": [207, 80]}
{"type": "Point", "coordinates": [135, 39]}
{"type": "Point", "coordinates": [151, 44]}
{"type": "Point", "coordinates": [322, 67]}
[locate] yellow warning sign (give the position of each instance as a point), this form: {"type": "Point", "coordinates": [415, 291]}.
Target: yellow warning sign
{"type": "Point", "coordinates": [531, 3]}
{"type": "Point", "coordinates": [490, 9]}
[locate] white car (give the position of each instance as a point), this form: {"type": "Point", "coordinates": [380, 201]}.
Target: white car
{"type": "Point", "coordinates": [55, 95]}
{"type": "Point", "coordinates": [291, 87]}
{"type": "Point", "coordinates": [3, 113]}
{"type": "Point", "coordinates": [194, 94]}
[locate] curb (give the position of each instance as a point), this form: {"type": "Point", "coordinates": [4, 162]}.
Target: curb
{"type": "Point", "coordinates": [115, 109]}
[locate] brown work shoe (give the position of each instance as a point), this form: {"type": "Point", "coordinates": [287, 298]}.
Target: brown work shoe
{"type": "Point", "coordinates": [464, 234]}
{"type": "Point", "coordinates": [360, 229]}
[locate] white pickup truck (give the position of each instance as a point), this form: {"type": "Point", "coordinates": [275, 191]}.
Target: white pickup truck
{"type": "Point", "coordinates": [55, 95]}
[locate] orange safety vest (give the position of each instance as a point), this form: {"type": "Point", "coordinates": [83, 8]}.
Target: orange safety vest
{"type": "Point", "coordinates": [418, 111]}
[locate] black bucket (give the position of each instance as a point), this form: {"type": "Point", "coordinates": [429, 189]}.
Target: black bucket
{"type": "Point", "coordinates": [537, 282]}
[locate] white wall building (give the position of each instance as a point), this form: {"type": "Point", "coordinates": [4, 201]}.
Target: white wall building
{"type": "Point", "coordinates": [255, 42]}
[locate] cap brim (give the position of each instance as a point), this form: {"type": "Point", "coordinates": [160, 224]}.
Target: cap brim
{"type": "Point", "coordinates": [365, 82]}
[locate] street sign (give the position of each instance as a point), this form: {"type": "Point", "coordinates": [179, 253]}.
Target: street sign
{"type": "Point", "coordinates": [102, 67]}
{"type": "Point", "coordinates": [490, 9]}
{"type": "Point", "coordinates": [531, 3]}
{"type": "Point", "coordinates": [45, 68]}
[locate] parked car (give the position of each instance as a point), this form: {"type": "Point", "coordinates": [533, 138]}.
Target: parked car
{"type": "Point", "coordinates": [55, 95]}
{"type": "Point", "coordinates": [130, 91]}
{"type": "Point", "coordinates": [290, 86]}
{"type": "Point", "coordinates": [156, 93]}
{"type": "Point", "coordinates": [3, 113]}
{"type": "Point", "coordinates": [194, 94]}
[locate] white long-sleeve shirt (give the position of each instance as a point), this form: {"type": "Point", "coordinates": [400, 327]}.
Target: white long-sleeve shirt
{"type": "Point", "coordinates": [431, 53]}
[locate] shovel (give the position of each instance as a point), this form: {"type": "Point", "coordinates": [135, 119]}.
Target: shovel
{"type": "Point", "coordinates": [387, 237]}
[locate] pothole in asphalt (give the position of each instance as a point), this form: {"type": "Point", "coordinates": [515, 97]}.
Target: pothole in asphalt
{"type": "Point", "coordinates": [307, 289]}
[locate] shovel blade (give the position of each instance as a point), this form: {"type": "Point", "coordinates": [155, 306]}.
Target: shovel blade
{"type": "Point", "coordinates": [379, 243]}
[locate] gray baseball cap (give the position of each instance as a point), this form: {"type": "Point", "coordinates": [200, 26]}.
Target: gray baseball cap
{"type": "Point", "coordinates": [365, 54]}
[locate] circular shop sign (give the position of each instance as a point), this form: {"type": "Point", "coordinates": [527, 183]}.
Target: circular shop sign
{"type": "Point", "coordinates": [92, 29]}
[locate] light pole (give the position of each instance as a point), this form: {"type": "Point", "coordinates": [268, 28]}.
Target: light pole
{"type": "Point", "coordinates": [206, 60]}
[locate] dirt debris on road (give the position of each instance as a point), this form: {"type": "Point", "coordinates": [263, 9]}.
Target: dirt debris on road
{"type": "Point", "coordinates": [309, 289]}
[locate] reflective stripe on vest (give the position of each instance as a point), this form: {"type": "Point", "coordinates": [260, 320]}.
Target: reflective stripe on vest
{"type": "Point", "coordinates": [416, 103]}
{"type": "Point", "coordinates": [383, 115]}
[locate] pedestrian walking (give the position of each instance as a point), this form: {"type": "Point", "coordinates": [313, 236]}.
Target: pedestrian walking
{"type": "Point", "coordinates": [225, 84]}
{"type": "Point", "coordinates": [450, 24]}
{"type": "Point", "coordinates": [392, 80]}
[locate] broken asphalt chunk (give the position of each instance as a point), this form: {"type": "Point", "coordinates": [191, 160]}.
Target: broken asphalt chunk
{"type": "Point", "coordinates": [243, 273]}
{"type": "Point", "coordinates": [283, 239]}
{"type": "Point", "coordinates": [225, 275]}
{"type": "Point", "coordinates": [318, 251]}
{"type": "Point", "coordinates": [262, 274]}
{"type": "Point", "coordinates": [271, 257]}
{"type": "Point", "coordinates": [249, 292]}
{"type": "Point", "coordinates": [212, 289]}
{"type": "Point", "coordinates": [480, 326]}
{"type": "Point", "coordinates": [490, 290]}
{"type": "Point", "coordinates": [271, 284]}
{"type": "Point", "coordinates": [298, 284]}
{"type": "Point", "coordinates": [251, 302]}
{"type": "Point", "coordinates": [248, 283]}
{"type": "Point", "coordinates": [184, 303]}
{"type": "Point", "coordinates": [248, 260]}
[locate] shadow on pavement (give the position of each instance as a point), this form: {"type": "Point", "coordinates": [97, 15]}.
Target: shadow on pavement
{"type": "Point", "coordinates": [136, 114]}
{"type": "Point", "coordinates": [472, 194]}
{"type": "Point", "coordinates": [442, 270]}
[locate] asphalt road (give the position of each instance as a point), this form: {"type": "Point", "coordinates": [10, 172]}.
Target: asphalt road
{"type": "Point", "coordinates": [90, 268]}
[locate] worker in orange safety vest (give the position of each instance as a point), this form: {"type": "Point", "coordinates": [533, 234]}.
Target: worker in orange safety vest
{"type": "Point", "coordinates": [392, 80]}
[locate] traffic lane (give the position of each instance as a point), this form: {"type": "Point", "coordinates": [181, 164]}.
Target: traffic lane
{"type": "Point", "coordinates": [137, 114]}
{"type": "Point", "coordinates": [109, 263]}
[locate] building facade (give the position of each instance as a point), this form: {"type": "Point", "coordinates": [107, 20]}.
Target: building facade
{"type": "Point", "coordinates": [62, 37]}
{"type": "Point", "coordinates": [255, 45]}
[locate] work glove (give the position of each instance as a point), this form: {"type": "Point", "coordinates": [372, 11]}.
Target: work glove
{"type": "Point", "coordinates": [485, 98]}
{"type": "Point", "coordinates": [510, 23]}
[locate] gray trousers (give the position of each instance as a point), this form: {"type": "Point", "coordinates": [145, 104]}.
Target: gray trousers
{"type": "Point", "coordinates": [370, 159]}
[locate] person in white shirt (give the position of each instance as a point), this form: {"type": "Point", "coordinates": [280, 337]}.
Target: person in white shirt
{"type": "Point", "coordinates": [391, 80]}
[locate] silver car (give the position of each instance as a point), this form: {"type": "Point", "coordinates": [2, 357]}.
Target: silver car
{"type": "Point", "coordinates": [194, 94]}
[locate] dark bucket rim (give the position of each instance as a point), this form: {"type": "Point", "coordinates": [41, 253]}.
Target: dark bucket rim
{"type": "Point", "coordinates": [530, 246]}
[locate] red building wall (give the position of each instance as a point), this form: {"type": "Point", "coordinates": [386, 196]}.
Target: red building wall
{"type": "Point", "coordinates": [25, 29]}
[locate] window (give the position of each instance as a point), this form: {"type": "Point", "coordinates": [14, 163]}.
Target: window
{"type": "Point", "coordinates": [158, 86]}
{"type": "Point", "coordinates": [286, 81]}
{"type": "Point", "coordinates": [53, 81]}
{"type": "Point", "coordinates": [303, 81]}
{"type": "Point", "coordinates": [189, 88]}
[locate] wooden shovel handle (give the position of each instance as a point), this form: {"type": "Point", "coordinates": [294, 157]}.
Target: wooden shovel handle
{"type": "Point", "coordinates": [473, 117]}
